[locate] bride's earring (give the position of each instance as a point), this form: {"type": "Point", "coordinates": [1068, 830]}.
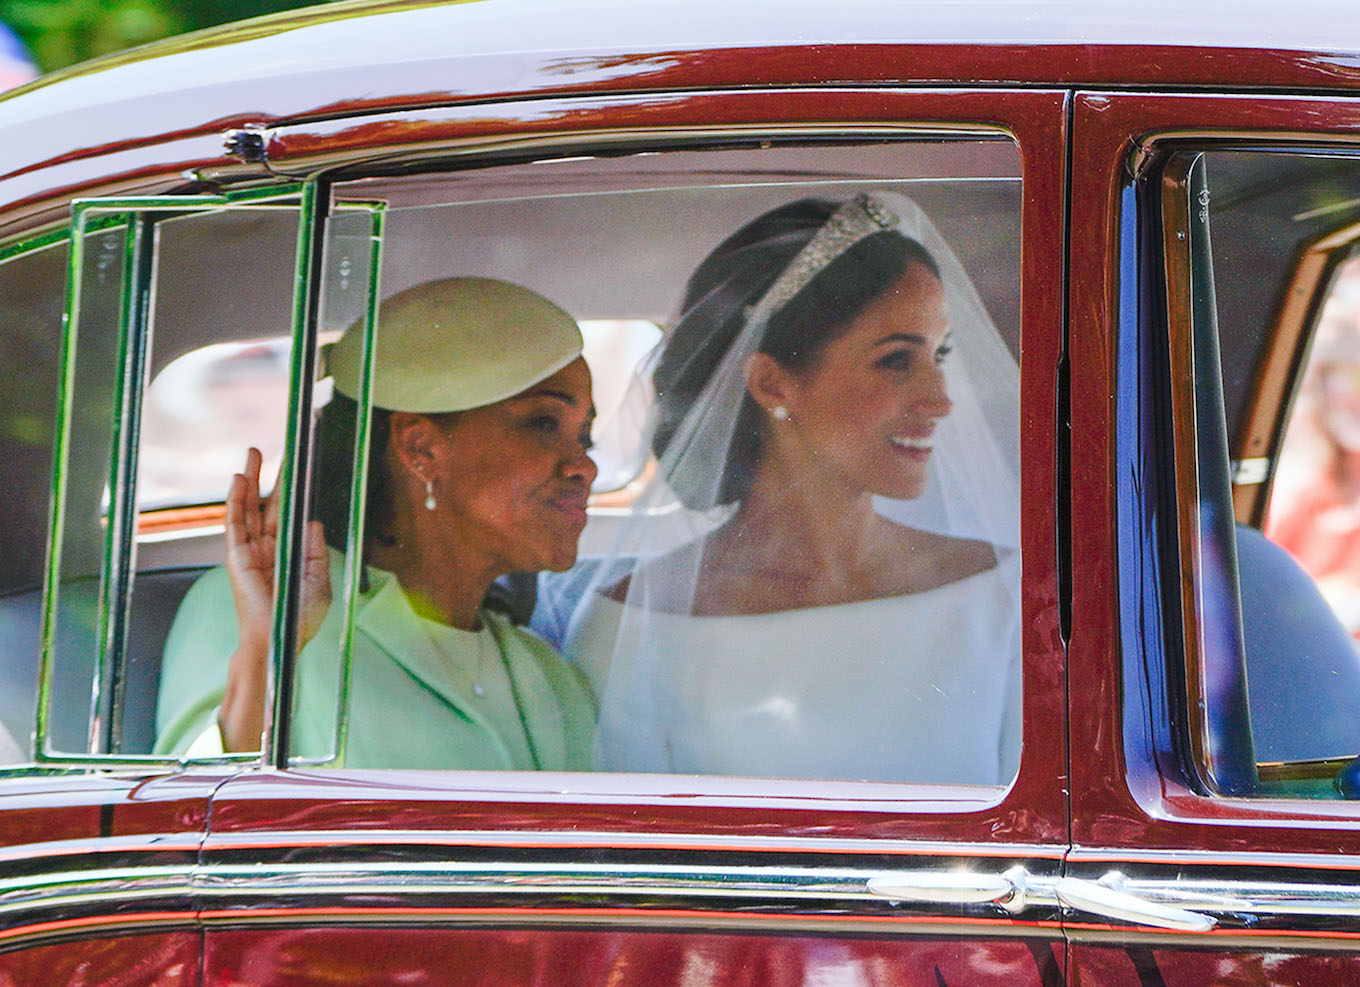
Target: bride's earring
{"type": "Point", "coordinates": [780, 413]}
{"type": "Point", "coordinates": [429, 495]}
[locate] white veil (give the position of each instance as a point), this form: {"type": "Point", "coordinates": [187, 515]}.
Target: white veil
{"type": "Point", "coordinates": [655, 564]}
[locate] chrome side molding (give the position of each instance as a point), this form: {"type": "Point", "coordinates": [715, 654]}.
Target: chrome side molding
{"type": "Point", "coordinates": [1108, 898]}
{"type": "Point", "coordinates": [955, 888]}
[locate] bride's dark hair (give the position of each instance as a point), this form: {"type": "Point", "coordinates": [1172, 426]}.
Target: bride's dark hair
{"type": "Point", "coordinates": [731, 280]}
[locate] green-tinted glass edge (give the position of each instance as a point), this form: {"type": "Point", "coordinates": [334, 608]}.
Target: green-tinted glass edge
{"type": "Point", "coordinates": [87, 216]}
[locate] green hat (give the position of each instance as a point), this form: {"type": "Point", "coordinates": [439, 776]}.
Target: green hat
{"type": "Point", "coordinates": [458, 343]}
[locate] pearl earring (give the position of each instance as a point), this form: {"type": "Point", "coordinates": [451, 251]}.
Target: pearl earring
{"type": "Point", "coordinates": [429, 495]}
{"type": "Point", "coordinates": [780, 413]}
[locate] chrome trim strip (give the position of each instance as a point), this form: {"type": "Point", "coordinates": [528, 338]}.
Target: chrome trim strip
{"type": "Point", "coordinates": [1226, 897]}
{"type": "Point", "coordinates": [458, 878]}
{"type": "Point", "coordinates": [569, 839]}
{"type": "Point", "coordinates": [622, 880]}
{"type": "Point", "coordinates": [1251, 893]}
{"type": "Point", "coordinates": [229, 891]}
{"type": "Point", "coordinates": [72, 890]}
{"type": "Point", "coordinates": [383, 891]}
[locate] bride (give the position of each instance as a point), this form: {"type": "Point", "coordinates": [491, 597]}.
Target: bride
{"type": "Point", "coordinates": [838, 418]}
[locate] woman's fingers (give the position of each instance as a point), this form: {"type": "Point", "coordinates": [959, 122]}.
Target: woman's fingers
{"type": "Point", "coordinates": [238, 533]}
{"type": "Point", "coordinates": [252, 526]}
{"type": "Point", "coordinates": [270, 510]}
{"type": "Point", "coordinates": [254, 460]}
{"type": "Point", "coordinates": [252, 495]}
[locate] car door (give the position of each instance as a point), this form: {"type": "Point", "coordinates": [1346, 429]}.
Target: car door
{"type": "Point", "coordinates": [72, 838]}
{"type": "Point", "coordinates": [101, 835]}
{"type": "Point", "coordinates": [1211, 687]}
{"type": "Point", "coordinates": [581, 877]}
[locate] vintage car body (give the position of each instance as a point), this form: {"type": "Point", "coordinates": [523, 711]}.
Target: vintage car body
{"type": "Point", "coordinates": [1122, 852]}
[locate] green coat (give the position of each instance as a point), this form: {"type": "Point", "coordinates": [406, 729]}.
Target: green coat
{"type": "Point", "coordinates": [408, 707]}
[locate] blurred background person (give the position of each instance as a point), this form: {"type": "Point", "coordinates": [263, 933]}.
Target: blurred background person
{"type": "Point", "coordinates": [1315, 506]}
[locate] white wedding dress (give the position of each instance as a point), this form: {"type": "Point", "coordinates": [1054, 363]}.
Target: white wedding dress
{"type": "Point", "coordinates": [917, 688]}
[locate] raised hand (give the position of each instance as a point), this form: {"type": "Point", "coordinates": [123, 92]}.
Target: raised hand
{"type": "Point", "coordinates": [252, 538]}
{"type": "Point", "coordinates": [252, 533]}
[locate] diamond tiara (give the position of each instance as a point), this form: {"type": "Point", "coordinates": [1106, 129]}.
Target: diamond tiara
{"type": "Point", "coordinates": [862, 216]}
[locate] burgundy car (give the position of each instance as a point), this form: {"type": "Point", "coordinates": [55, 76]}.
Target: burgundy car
{"type": "Point", "coordinates": [1157, 208]}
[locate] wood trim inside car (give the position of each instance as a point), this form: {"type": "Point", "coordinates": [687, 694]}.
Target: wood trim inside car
{"type": "Point", "coordinates": [176, 519]}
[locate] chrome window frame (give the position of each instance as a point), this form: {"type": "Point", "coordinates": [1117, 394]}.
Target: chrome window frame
{"type": "Point", "coordinates": [137, 212]}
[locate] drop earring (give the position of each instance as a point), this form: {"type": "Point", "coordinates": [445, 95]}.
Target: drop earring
{"type": "Point", "coordinates": [429, 495]}
{"type": "Point", "coordinates": [780, 413]}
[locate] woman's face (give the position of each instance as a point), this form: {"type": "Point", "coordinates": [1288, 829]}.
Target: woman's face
{"type": "Point", "coordinates": [864, 414]}
{"type": "Point", "coordinates": [514, 476]}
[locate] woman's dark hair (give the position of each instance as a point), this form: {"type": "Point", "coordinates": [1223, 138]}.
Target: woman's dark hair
{"type": "Point", "coordinates": [334, 472]}
{"type": "Point", "coordinates": [733, 278]}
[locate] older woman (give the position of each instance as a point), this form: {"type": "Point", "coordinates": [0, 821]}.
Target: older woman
{"type": "Point", "coordinates": [482, 416]}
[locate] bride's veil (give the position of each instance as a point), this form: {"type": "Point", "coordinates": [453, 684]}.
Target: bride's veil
{"type": "Point", "coordinates": [701, 425]}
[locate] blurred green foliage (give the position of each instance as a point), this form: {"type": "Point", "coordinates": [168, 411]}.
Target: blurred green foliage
{"type": "Point", "coordinates": [63, 32]}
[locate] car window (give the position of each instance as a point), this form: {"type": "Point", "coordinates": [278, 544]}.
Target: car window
{"type": "Point", "coordinates": [664, 640]}
{"type": "Point", "coordinates": [1271, 304]}
{"type": "Point", "coordinates": [155, 289]}
{"type": "Point", "coordinates": [32, 286]}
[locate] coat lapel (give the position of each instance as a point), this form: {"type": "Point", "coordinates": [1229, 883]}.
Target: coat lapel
{"type": "Point", "coordinates": [388, 620]}
{"type": "Point", "coordinates": [539, 705]}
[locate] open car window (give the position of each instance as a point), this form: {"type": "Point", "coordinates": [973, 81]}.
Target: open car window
{"type": "Point", "coordinates": [659, 604]}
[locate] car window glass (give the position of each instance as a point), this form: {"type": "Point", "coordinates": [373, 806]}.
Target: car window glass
{"type": "Point", "coordinates": [1273, 624]}
{"type": "Point", "coordinates": [220, 279]}
{"type": "Point", "coordinates": [921, 400]}
{"type": "Point", "coordinates": [200, 410]}
{"type": "Point", "coordinates": [32, 285]}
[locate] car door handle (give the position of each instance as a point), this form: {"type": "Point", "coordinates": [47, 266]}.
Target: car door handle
{"type": "Point", "coordinates": [1107, 897]}
{"type": "Point", "coordinates": [954, 888]}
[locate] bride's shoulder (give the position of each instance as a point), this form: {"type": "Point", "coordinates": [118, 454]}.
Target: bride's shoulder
{"type": "Point", "coordinates": [947, 558]}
